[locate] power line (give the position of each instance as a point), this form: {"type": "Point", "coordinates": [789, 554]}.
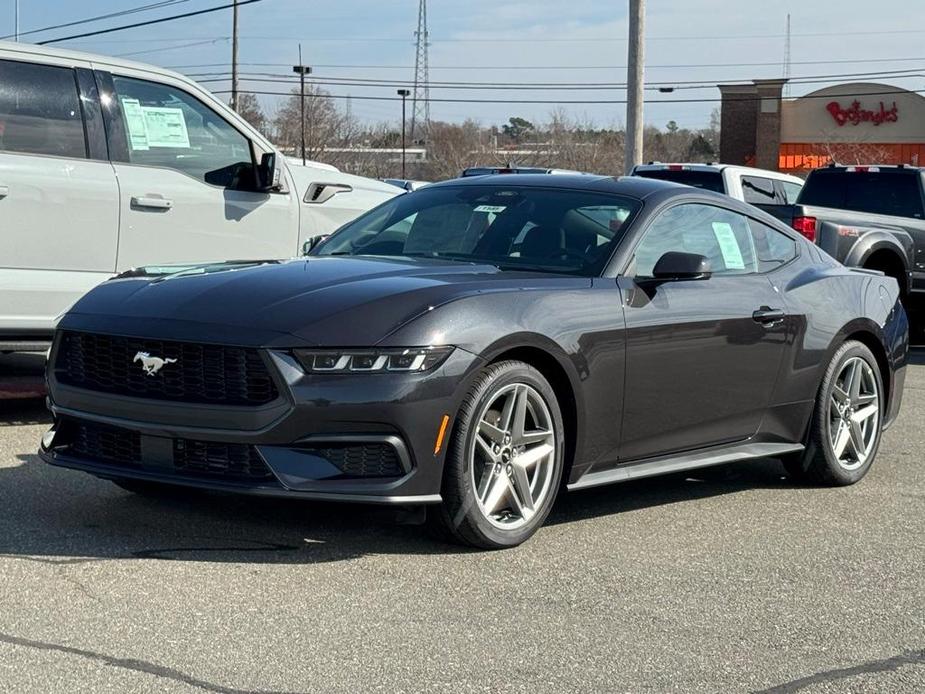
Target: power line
{"type": "Point", "coordinates": [168, 48]}
{"type": "Point", "coordinates": [110, 15]}
{"type": "Point", "coordinates": [560, 101]}
{"type": "Point", "coordinates": [147, 23]}
{"type": "Point", "coordinates": [543, 86]}
{"type": "Point", "coordinates": [559, 67]}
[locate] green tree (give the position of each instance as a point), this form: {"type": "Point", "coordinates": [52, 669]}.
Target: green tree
{"type": "Point", "coordinates": [516, 129]}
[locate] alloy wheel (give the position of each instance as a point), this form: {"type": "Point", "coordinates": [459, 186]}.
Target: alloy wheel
{"type": "Point", "coordinates": [512, 456]}
{"type": "Point", "coordinates": [854, 414]}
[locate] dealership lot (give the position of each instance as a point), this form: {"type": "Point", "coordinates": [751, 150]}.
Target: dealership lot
{"type": "Point", "coordinates": [739, 581]}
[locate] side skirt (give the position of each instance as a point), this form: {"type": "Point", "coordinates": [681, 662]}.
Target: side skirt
{"type": "Point", "coordinates": [684, 461]}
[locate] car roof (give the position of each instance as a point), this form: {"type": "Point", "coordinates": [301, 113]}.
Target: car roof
{"type": "Point", "coordinates": [630, 186]}
{"type": "Point", "coordinates": [713, 166]}
{"type": "Point", "coordinates": [29, 50]}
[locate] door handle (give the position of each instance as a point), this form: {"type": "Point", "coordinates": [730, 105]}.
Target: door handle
{"type": "Point", "coordinates": [152, 203]}
{"type": "Point", "coordinates": [4, 191]}
{"type": "Point", "coordinates": [768, 316]}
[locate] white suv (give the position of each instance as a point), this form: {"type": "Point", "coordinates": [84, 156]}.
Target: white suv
{"type": "Point", "coordinates": [107, 164]}
{"type": "Point", "coordinates": [772, 191]}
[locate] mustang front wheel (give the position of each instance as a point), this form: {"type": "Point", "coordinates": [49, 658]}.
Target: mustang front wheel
{"type": "Point", "coordinates": [504, 463]}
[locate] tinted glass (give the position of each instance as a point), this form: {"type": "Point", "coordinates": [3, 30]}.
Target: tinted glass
{"type": "Point", "coordinates": [723, 237]}
{"type": "Point", "coordinates": [791, 191]}
{"type": "Point", "coordinates": [773, 248]}
{"type": "Point", "coordinates": [40, 110]}
{"type": "Point", "coordinates": [564, 231]}
{"type": "Point", "coordinates": [884, 192]}
{"type": "Point", "coordinates": [708, 180]}
{"type": "Point", "coordinates": [167, 127]}
{"type": "Point", "coordinates": [758, 191]}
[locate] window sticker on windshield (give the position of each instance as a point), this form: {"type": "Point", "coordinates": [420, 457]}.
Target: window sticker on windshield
{"type": "Point", "coordinates": [166, 127]}
{"type": "Point", "coordinates": [496, 209]}
{"type": "Point", "coordinates": [135, 124]}
{"type": "Point", "coordinates": [728, 246]}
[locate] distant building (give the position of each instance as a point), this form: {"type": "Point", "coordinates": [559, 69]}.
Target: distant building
{"type": "Point", "coordinates": [856, 123]}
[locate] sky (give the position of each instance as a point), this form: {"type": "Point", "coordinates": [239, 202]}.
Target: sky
{"type": "Point", "coordinates": [575, 43]}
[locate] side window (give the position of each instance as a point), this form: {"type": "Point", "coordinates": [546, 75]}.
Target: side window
{"type": "Point", "coordinates": [772, 247]}
{"type": "Point", "coordinates": [40, 110]}
{"type": "Point", "coordinates": [723, 237]}
{"type": "Point", "coordinates": [167, 127]}
{"type": "Point", "coordinates": [758, 190]}
{"type": "Point", "coordinates": [791, 191]}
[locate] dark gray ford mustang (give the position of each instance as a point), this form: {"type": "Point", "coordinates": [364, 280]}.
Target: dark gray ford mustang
{"type": "Point", "coordinates": [479, 344]}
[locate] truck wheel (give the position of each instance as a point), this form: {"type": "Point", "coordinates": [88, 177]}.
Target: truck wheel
{"type": "Point", "coordinates": [847, 421]}
{"type": "Point", "coordinates": [505, 460]}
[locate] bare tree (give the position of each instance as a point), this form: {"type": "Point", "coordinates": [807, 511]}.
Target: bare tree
{"type": "Point", "coordinates": [326, 126]}
{"type": "Point", "coordinates": [249, 109]}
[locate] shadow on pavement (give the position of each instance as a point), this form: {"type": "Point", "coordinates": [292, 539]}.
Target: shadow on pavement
{"type": "Point", "coordinates": [58, 516]}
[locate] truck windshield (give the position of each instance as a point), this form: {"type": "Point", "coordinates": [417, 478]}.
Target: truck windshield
{"type": "Point", "coordinates": [708, 180]}
{"type": "Point", "coordinates": [519, 228]}
{"type": "Point", "coordinates": [892, 192]}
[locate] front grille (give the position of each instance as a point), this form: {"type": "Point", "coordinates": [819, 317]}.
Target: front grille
{"type": "Point", "coordinates": [106, 444]}
{"type": "Point", "coordinates": [362, 459]}
{"type": "Point", "coordinates": [211, 374]}
{"type": "Point", "coordinates": [209, 458]}
{"type": "Point", "coordinates": [234, 462]}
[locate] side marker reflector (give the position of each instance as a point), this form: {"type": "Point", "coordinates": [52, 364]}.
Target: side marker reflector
{"type": "Point", "coordinates": [439, 444]}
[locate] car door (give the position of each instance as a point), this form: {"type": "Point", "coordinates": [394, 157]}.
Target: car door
{"type": "Point", "coordinates": [186, 181]}
{"type": "Point", "coordinates": [702, 355]}
{"type": "Point", "coordinates": [58, 195]}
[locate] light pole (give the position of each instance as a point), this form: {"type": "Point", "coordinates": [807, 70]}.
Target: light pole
{"type": "Point", "coordinates": [403, 93]}
{"type": "Point", "coordinates": [301, 71]}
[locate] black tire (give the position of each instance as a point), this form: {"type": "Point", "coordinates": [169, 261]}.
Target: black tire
{"type": "Point", "coordinates": [818, 463]}
{"type": "Point", "coordinates": [148, 488]}
{"type": "Point", "coordinates": [459, 518]}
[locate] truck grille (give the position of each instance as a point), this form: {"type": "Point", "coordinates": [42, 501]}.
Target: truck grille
{"type": "Point", "coordinates": [202, 373]}
{"type": "Point", "coordinates": [233, 462]}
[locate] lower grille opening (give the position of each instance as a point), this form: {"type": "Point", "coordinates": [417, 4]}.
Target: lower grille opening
{"type": "Point", "coordinates": [360, 460]}
{"type": "Point", "coordinates": [110, 445]}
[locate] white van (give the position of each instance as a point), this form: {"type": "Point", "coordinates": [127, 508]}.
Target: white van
{"type": "Point", "coordinates": [107, 164]}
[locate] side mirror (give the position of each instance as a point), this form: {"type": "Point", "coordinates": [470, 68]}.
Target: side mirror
{"type": "Point", "coordinates": [675, 265]}
{"type": "Point", "coordinates": [310, 244]}
{"type": "Point", "coordinates": [267, 174]}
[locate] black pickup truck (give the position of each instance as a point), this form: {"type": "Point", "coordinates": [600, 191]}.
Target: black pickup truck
{"type": "Point", "coordinates": [871, 217]}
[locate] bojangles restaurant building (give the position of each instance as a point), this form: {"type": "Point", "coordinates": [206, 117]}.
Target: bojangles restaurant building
{"type": "Point", "coordinates": [856, 123]}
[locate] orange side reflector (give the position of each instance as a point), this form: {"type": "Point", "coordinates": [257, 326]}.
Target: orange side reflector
{"type": "Point", "coordinates": [439, 444]}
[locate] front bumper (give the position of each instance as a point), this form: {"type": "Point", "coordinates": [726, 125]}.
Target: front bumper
{"type": "Point", "coordinates": [315, 442]}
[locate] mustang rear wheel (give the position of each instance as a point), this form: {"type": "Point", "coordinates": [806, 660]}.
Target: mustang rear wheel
{"type": "Point", "coordinates": [504, 463]}
{"type": "Point", "coordinates": [847, 420]}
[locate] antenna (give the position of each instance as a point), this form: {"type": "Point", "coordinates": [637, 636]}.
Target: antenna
{"type": "Point", "coordinates": [787, 58]}
{"type": "Point", "coordinates": [420, 105]}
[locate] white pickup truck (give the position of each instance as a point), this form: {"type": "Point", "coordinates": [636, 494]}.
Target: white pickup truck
{"type": "Point", "coordinates": [106, 165]}
{"type": "Point", "coordinates": [772, 191]}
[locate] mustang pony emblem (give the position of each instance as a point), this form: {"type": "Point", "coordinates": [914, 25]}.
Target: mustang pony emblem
{"type": "Point", "coordinates": [150, 364]}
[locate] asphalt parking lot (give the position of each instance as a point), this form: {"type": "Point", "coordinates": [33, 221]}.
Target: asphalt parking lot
{"type": "Point", "coordinates": [739, 581]}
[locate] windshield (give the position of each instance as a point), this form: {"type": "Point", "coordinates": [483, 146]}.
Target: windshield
{"type": "Point", "coordinates": [551, 230]}
{"type": "Point", "coordinates": [708, 180]}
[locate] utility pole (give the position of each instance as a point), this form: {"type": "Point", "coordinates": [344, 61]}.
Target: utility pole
{"type": "Point", "coordinates": [301, 71]}
{"type": "Point", "coordinates": [636, 59]}
{"type": "Point", "coordinates": [16, 19]}
{"type": "Point", "coordinates": [234, 57]}
{"type": "Point", "coordinates": [403, 93]}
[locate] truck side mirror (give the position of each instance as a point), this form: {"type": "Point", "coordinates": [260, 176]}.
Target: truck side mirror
{"type": "Point", "coordinates": [267, 173]}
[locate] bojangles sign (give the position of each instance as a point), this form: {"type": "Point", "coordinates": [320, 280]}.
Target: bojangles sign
{"type": "Point", "coordinates": [854, 114]}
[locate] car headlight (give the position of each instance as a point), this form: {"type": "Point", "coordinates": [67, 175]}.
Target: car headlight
{"type": "Point", "coordinates": [397, 359]}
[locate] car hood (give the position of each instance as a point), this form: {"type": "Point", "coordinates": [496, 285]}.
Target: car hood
{"type": "Point", "coordinates": [315, 301]}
